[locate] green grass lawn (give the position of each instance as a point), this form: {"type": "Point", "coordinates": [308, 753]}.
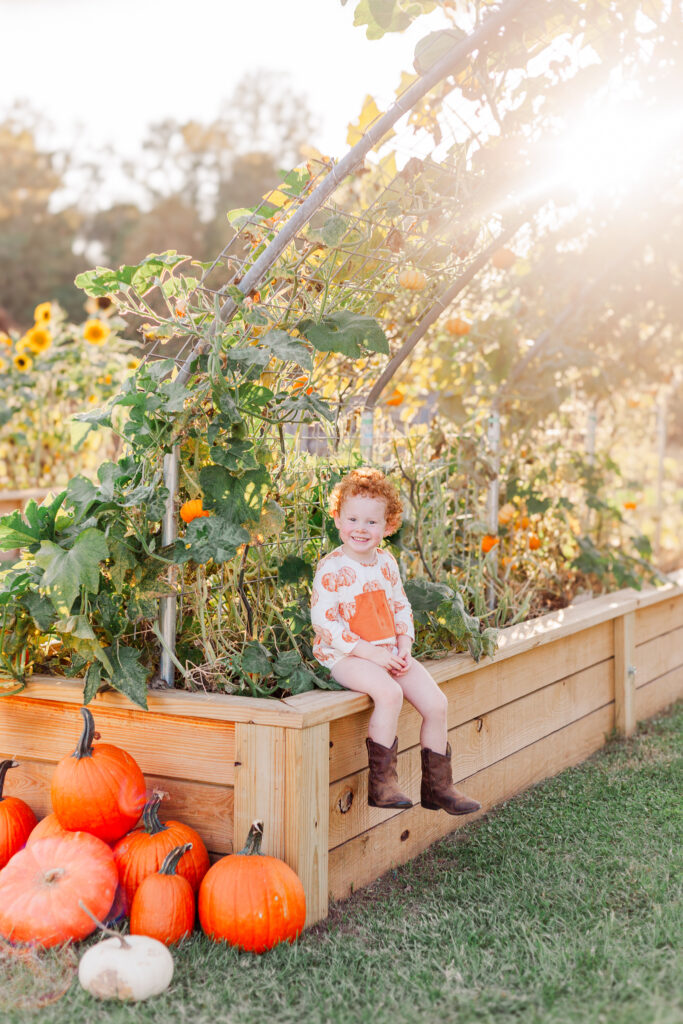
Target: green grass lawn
{"type": "Point", "coordinates": [563, 905]}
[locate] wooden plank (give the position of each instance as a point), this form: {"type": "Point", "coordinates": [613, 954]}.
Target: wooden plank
{"type": "Point", "coordinates": [476, 694]}
{"type": "Point", "coordinates": [361, 860]}
{"type": "Point", "coordinates": [625, 674]}
{"type": "Point", "coordinates": [658, 656]}
{"type": "Point", "coordinates": [213, 706]}
{"type": "Point", "coordinates": [476, 745]}
{"type": "Point", "coordinates": [654, 595]}
{"type": "Point", "coordinates": [161, 744]}
{"type": "Point", "coordinates": [307, 784]}
{"type": "Point", "coordinates": [659, 693]}
{"type": "Point", "coordinates": [657, 619]}
{"type": "Point", "coordinates": [207, 808]}
{"type": "Point", "coordinates": [260, 752]}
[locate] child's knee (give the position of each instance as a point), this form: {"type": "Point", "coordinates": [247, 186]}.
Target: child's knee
{"type": "Point", "coordinates": [438, 704]}
{"type": "Point", "coordinates": [390, 695]}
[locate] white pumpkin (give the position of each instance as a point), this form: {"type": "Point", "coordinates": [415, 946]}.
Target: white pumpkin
{"type": "Point", "coordinates": [133, 967]}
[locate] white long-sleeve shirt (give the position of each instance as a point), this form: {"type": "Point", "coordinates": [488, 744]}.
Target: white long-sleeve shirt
{"type": "Point", "coordinates": [354, 601]}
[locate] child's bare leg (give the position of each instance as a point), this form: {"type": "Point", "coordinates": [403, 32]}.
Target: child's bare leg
{"type": "Point", "coordinates": [365, 677]}
{"type": "Point", "coordinates": [423, 693]}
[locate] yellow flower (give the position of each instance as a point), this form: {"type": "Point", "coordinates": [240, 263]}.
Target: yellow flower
{"type": "Point", "coordinates": [22, 345]}
{"type": "Point", "coordinates": [5, 339]}
{"type": "Point", "coordinates": [96, 332]}
{"type": "Point", "coordinates": [3, 365]}
{"type": "Point", "coordinates": [43, 313]}
{"type": "Point", "coordinates": [92, 399]}
{"type": "Point", "coordinates": [38, 339]}
{"type": "Point", "coordinates": [22, 362]}
{"type": "Point", "coordinates": [133, 364]}
{"type": "Point", "coordinates": [102, 305]}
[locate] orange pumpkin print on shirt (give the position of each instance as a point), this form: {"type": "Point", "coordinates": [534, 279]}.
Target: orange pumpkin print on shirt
{"type": "Point", "coordinates": [373, 619]}
{"type": "Point", "coordinates": [389, 575]}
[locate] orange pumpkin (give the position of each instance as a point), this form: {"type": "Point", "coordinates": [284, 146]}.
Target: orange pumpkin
{"type": "Point", "coordinates": [251, 900]}
{"type": "Point", "coordinates": [163, 906]}
{"type": "Point", "coordinates": [534, 542]}
{"type": "Point", "coordinates": [193, 510]}
{"type": "Point", "coordinates": [47, 828]}
{"type": "Point", "coordinates": [457, 328]}
{"type": "Point", "coordinates": [413, 280]}
{"type": "Point", "coordinates": [503, 259]}
{"type": "Point", "coordinates": [99, 788]}
{"type": "Point", "coordinates": [142, 852]}
{"type": "Point", "coordinates": [395, 398]}
{"type": "Point", "coordinates": [17, 820]}
{"type": "Point", "coordinates": [488, 542]}
{"type": "Point", "coordinates": [42, 886]}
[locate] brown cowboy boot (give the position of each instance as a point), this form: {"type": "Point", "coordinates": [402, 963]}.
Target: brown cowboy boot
{"type": "Point", "coordinates": [383, 788]}
{"type": "Point", "coordinates": [438, 792]}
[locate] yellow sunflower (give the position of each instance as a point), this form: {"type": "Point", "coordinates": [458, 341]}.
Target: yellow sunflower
{"type": "Point", "coordinates": [96, 332]}
{"type": "Point", "coordinates": [22, 345]}
{"type": "Point", "coordinates": [133, 364]}
{"type": "Point", "coordinates": [5, 339]}
{"type": "Point", "coordinates": [38, 339]}
{"type": "Point", "coordinates": [43, 313]}
{"type": "Point", "coordinates": [3, 365]}
{"type": "Point", "coordinates": [101, 305]}
{"type": "Point", "coordinates": [22, 362]}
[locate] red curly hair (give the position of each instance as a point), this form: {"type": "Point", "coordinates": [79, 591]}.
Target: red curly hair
{"type": "Point", "coordinates": [370, 483]}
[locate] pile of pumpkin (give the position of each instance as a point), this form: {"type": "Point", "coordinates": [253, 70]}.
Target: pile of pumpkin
{"type": "Point", "coordinates": [86, 863]}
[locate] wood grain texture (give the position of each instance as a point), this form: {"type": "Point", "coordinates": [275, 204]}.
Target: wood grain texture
{"type": "Point", "coordinates": [207, 808]}
{"type": "Point", "coordinates": [659, 694]}
{"type": "Point", "coordinates": [625, 674]}
{"type": "Point", "coordinates": [366, 857]}
{"type": "Point", "coordinates": [658, 656]}
{"type": "Point", "coordinates": [307, 784]}
{"type": "Point", "coordinates": [161, 744]}
{"type": "Point", "coordinates": [658, 619]}
{"type": "Point", "coordinates": [260, 752]}
{"type": "Point", "coordinates": [476, 745]}
{"type": "Point", "coordinates": [476, 694]}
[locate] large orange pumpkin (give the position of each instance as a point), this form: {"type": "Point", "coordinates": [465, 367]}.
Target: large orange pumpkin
{"type": "Point", "coordinates": [163, 905]}
{"type": "Point", "coordinates": [142, 852]}
{"type": "Point", "coordinates": [17, 820]}
{"type": "Point", "coordinates": [41, 887]}
{"type": "Point", "coordinates": [251, 900]}
{"type": "Point", "coordinates": [47, 828]}
{"type": "Point", "coordinates": [99, 789]}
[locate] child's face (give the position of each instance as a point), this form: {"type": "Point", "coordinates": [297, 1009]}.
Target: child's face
{"type": "Point", "coordinates": [361, 523]}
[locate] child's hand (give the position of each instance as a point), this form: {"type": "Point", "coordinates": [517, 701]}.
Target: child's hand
{"type": "Point", "coordinates": [391, 662]}
{"type": "Point", "coordinates": [404, 656]}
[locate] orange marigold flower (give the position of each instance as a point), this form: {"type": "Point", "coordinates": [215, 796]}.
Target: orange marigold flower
{"type": "Point", "coordinates": [488, 542]}
{"type": "Point", "coordinates": [22, 362]}
{"type": "Point", "coordinates": [534, 542]}
{"type": "Point", "coordinates": [42, 314]}
{"type": "Point", "coordinates": [96, 332]}
{"type": "Point", "coordinates": [631, 504]}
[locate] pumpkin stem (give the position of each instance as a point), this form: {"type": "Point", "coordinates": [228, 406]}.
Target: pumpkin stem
{"type": "Point", "coordinates": [253, 843]}
{"type": "Point", "coordinates": [170, 862]}
{"type": "Point", "coordinates": [150, 815]}
{"type": "Point", "coordinates": [103, 928]}
{"type": "Point", "coordinates": [84, 748]}
{"type": "Point", "coordinates": [4, 768]}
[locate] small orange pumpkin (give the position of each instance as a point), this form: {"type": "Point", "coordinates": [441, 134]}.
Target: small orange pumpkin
{"type": "Point", "coordinates": [503, 259]}
{"type": "Point", "coordinates": [47, 828]}
{"type": "Point", "coordinates": [488, 542]}
{"type": "Point", "coordinates": [534, 542]}
{"type": "Point", "coordinates": [99, 789]}
{"type": "Point", "coordinates": [142, 852]}
{"type": "Point", "coordinates": [413, 280]}
{"type": "Point", "coordinates": [193, 510]}
{"type": "Point", "coordinates": [457, 328]}
{"type": "Point", "coordinates": [395, 398]}
{"type": "Point", "coordinates": [251, 900]}
{"type": "Point", "coordinates": [17, 820]}
{"type": "Point", "coordinates": [163, 906]}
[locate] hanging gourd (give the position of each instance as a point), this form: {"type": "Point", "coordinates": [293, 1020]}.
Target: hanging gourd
{"type": "Point", "coordinates": [129, 968]}
{"type": "Point", "coordinates": [413, 280]}
{"type": "Point", "coordinates": [503, 259]}
{"type": "Point", "coordinates": [251, 900]}
{"type": "Point", "coordinates": [142, 852]}
{"type": "Point", "coordinates": [43, 885]}
{"type": "Point", "coordinates": [47, 828]}
{"type": "Point", "coordinates": [163, 905]}
{"type": "Point", "coordinates": [193, 509]}
{"type": "Point", "coordinates": [17, 820]}
{"type": "Point", "coordinates": [457, 328]}
{"type": "Point", "coordinates": [99, 788]}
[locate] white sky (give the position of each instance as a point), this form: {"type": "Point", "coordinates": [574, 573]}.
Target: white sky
{"type": "Point", "coordinates": [101, 70]}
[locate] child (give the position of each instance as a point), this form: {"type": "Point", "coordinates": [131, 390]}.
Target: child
{"type": "Point", "coordinates": [363, 633]}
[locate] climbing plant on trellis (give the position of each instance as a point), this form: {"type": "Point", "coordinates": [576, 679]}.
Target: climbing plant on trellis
{"type": "Point", "coordinates": [264, 369]}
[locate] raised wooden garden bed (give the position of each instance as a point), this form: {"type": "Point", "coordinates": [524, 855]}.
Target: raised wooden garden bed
{"type": "Point", "coordinates": [557, 687]}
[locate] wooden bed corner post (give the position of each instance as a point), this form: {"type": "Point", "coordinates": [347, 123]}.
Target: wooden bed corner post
{"type": "Point", "coordinates": [625, 674]}
{"type": "Point", "coordinates": [307, 813]}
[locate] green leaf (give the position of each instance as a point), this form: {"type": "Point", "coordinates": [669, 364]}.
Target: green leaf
{"type": "Point", "coordinates": [67, 571]}
{"type": "Point", "coordinates": [236, 499]}
{"type": "Point", "coordinates": [434, 46]}
{"type": "Point", "coordinates": [93, 681]}
{"type": "Point", "coordinates": [287, 348]}
{"type": "Point", "coordinates": [236, 457]}
{"type": "Point", "coordinates": [249, 355]}
{"type": "Point", "coordinates": [40, 608]}
{"type": "Point", "coordinates": [80, 494]}
{"type": "Point", "coordinates": [286, 662]}
{"type": "Point", "coordinates": [78, 635]}
{"type": "Point", "coordinates": [294, 570]}
{"type": "Point", "coordinates": [255, 658]}
{"type": "Point", "coordinates": [425, 596]}
{"type": "Point", "coordinates": [128, 676]}
{"type": "Point", "coordinates": [345, 332]}
{"type": "Point", "coordinates": [210, 538]}
{"type": "Point", "coordinates": [15, 532]}
{"type": "Point", "coordinates": [301, 680]}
